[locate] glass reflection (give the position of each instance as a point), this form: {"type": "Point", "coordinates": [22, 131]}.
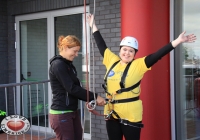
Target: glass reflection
{"type": "Point", "coordinates": [191, 66]}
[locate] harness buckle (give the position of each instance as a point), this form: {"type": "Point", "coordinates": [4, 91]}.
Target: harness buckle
{"type": "Point", "coordinates": [107, 100]}
{"type": "Point", "coordinates": [114, 101]}
{"type": "Point", "coordinates": [125, 122]}
{"type": "Point", "coordinates": [108, 116]}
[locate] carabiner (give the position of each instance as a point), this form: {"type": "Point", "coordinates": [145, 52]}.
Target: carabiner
{"type": "Point", "coordinates": [108, 116]}
{"type": "Point", "coordinates": [91, 105]}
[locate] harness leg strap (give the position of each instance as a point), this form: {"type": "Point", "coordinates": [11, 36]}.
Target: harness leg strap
{"type": "Point", "coordinates": [126, 122]}
{"type": "Point", "coordinates": [133, 124]}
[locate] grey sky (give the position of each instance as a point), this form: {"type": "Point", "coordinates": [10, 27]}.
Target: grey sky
{"type": "Point", "coordinates": [191, 23]}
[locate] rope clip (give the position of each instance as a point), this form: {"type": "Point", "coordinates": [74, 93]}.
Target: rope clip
{"type": "Point", "coordinates": [108, 116]}
{"type": "Point", "coordinates": [91, 105]}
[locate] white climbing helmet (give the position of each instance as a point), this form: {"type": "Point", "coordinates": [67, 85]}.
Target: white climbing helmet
{"type": "Point", "coordinates": [129, 41]}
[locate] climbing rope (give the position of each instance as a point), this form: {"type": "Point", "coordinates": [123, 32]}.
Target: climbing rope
{"type": "Point", "coordinates": [90, 105]}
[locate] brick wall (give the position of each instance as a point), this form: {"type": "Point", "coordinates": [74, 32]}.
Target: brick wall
{"type": "Point", "coordinates": [3, 50]}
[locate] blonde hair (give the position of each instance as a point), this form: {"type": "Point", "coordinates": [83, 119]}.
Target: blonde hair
{"type": "Point", "coordinates": [69, 41]}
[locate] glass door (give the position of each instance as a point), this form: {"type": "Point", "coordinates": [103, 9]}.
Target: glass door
{"type": "Point", "coordinates": [191, 66]}
{"type": "Point", "coordinates": [34, 65]}
{"type": "Point", "coordinates": [36, 43]}
{"type": "Point", "coordinates": [188, 71]}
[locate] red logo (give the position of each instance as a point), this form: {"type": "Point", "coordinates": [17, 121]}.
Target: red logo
{"type": "Point", "coordinates": [15, 125]}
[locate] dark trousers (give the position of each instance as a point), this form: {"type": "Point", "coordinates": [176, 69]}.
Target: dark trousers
{"type": "Point", "coordinates": [66, 126]}
{"type": "Point", "coordinates": [116, 131]}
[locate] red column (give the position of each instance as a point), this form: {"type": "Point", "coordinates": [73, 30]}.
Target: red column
{"type": "Point", "coordinates": [148, 21]}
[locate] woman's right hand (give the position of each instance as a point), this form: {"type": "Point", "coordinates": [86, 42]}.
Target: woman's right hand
{"type": "Point", "coordinates": [100, 101]}
{"type": "Point", "coordinates": [91, 22]}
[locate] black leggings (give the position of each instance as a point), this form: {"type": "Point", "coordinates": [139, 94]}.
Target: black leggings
{"type": "Point", "coordinates": [116, 131]}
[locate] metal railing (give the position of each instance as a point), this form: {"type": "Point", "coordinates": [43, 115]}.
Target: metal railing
{"type": "Point", "coordinates": [29, 99]}
{"type": "Point", "coordinates": [192, 94]}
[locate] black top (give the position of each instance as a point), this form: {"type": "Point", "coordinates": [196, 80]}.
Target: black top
{"type": "Point", "coordinates": [65, 85]}
{"type": "Point", "coordinates": [150, 60]}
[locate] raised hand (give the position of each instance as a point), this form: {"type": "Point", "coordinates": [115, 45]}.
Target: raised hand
{"type": "Point", "coordinates": [186, 38]}
{"type": "Point", "coordinates": [182, 38]}
{"type": "Point", "coordinates": [91, 22]}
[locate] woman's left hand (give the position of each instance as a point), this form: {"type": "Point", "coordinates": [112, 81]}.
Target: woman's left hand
{"type": "Point", "coordinates": [186, 38]}
{"type": "Point", "coordinates": [182, 38]}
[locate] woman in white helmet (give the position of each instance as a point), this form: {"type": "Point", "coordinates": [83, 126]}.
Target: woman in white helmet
{"type": "Point", "coordinates": [123, 112]}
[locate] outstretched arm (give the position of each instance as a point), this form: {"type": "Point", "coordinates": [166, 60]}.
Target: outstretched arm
{"type": "Point", "coordinates": [97, 36]}
{"type": "Point", "coordinates": [151, 59]}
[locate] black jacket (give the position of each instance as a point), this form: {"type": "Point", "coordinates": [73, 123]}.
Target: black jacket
{"type": "Point", "coordinates": [65, 85]}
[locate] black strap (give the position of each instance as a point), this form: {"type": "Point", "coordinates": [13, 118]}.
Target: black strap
{"type": "Point", "coordinates": [126, 122]}
{"type": "Point", "coordinates": [129, 88]}
{"type": "Point", "coordinates": [125, 100]}
{"type": "Point", "coordinates": [124, 76]}
{"type": "Point", "coordinates": [115, 113]}
{"type": "Point", "coordinates": [133, 124]}
{"type": "Point", "coordinates": [105, 79]}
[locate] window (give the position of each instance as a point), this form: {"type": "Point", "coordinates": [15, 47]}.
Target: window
{"type": "Point", "coordinates": [187, 71]}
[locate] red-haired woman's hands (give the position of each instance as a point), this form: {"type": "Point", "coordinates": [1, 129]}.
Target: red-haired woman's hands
{"type": "Point", "coordinates": [100, 101]}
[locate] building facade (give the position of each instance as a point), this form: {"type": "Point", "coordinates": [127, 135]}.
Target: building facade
{"type": "Point", "coordinates": [170, 92]}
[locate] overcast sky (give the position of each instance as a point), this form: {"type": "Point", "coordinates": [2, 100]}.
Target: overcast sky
{"type": "Point", "coordinates": [191, 23]}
